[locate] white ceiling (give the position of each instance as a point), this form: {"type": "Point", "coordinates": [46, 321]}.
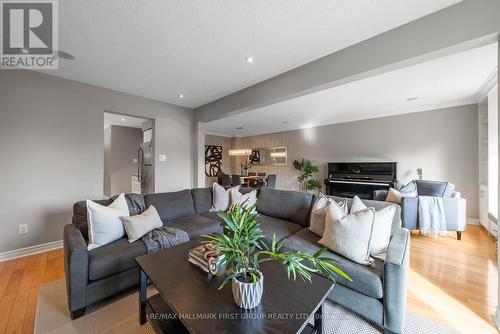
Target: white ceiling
{"type": "Point", "coordinates": [160, 48]}
{"type": "Point", "coordinates": [122, 120]}
{"type": "Point", "coordinates": [448, 81]}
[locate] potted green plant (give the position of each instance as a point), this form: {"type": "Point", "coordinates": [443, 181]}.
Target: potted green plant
{"type": "Point", "coordinates": [244, 250]}
{"type": "Point", "coordinates": [306, 179]}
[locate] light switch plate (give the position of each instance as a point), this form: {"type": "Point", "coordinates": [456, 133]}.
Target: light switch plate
{"type": "Point", "coordinates": [162, 157]}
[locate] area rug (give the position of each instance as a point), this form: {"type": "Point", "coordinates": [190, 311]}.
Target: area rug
{"type": "Point", "coordinates": [119, 315]}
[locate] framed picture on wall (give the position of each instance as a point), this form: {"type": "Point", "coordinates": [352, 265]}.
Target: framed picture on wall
{"type": "Point", "coordinates": [213, 160]}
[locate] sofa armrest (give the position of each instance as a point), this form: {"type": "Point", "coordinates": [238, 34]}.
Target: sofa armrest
{"type": "Point", "coordinates": [409, 212]}
{"type": "Point", "coordinates": [395, 277]}
{"type": "Point", "coordinates": [75, 267]}
{"type": "Point", "coordinates": [455, 210]}
{"type": "Point", "coordinates": [380, 195]}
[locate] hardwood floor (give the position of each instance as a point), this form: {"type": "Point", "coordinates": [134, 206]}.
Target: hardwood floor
{"type": "Point", "coordinates": [453, 282]}
{"type": "Point", "coordinates": [20, 280]}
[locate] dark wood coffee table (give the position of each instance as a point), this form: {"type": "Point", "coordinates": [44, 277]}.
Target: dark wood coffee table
{"type": "Point", "coordinates": [189, 301]}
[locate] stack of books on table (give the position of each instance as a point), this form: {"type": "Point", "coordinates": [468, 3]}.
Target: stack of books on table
{"type": "Point", "coordinates": [206, 258]}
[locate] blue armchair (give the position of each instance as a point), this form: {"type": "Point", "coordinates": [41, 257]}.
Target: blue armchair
{"type": "Point", "coordinates": [455, 207]}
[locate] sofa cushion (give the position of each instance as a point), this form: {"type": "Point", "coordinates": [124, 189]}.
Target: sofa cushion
{"type": "Point", "coordinates": [196, 226]}
{"type": "Point", "coordinates": [289, 205]}
{"type": "Point", "coordinates": [279, 227]}
{"type": "Point", "coordinates": [114, 258]}
{"type": "Point", "coordinates": [365, 279]}
{"type": "Point", "coordinates": [211, 215]}
{"type": "Point", "coordinates": [202, 199]}
{"type": "Point", "coordinates": [172, 205]}
{"type": "Point", "coordinates": [434, 188]}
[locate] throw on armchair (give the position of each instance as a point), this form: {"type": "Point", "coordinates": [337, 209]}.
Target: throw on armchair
{"type": "Point", "coordinates": [454, 206]}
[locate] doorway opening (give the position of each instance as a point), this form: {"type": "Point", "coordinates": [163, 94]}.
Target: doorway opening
{"type": "Point", "coordinates": [128, 154]}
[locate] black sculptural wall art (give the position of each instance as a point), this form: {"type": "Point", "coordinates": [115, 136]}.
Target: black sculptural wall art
{"type": "Point", "coordinates": [213, 160]}
{"type": "Point", "coordinates": [254, 158]}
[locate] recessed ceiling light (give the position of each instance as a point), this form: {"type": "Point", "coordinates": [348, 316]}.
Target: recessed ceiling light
{"type": "Point", "coordinates": [413, 98]}
{"type": "Point", "coordinates": [284, 122]}
{"type": "Point", "coordinates": [239, 128]}
{"type": "Point", "coordinates": [249, 60]}
{"type": "Point", "coordinates": [25, 51]}
{"type": "Point", "coordinates": [180, 96]}
{"type": "Point", "coordinates": [123, 119]}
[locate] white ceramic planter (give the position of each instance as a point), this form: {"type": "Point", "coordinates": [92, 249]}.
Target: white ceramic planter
{"type": "Point", "coordinates": [248, 295]}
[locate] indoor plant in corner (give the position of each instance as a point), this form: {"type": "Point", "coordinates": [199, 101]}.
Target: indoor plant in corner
{"type": "Point", "coordinates": [306, 179]}
{"type": "Point", "coordinates": [243, 250]}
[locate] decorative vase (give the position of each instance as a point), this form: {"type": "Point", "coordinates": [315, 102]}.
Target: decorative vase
{"type": "Point", "coordinates": [248, 295]}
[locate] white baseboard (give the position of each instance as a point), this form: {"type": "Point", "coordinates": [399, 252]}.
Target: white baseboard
{"type": "Point", "coordinates": [16, 253]}
{"type": "Point", "coordinates": [496, 318]}
{"type": "Point", "coordinates": [473, 221]}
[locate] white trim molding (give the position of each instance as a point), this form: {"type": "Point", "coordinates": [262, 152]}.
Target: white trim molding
{"type": "Point", "coordinates": [473, 221]}
{"type": "Point", "coordinates": [487, 86]}
{"type": "Point", "coordinates": [496, 318]}
{"type": "Point", "coordinates": [21, 252]}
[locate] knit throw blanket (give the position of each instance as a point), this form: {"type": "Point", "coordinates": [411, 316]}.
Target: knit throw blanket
{"type": "Point", "coordinates": [164, 237]}
{"type": "Point", "coordinates": [431, 217]}
{"type": "Point", "coordinates": [135, 203]}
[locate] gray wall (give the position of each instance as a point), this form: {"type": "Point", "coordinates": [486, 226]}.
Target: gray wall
{"type": "Point", "coordinates": [442, 142]}
{"type": "Point", "coordinates": [118, 170]}
{"type": "Point", "coordinates": [107, 161]}
{"type": "Point", "coordinates": [51, 139]}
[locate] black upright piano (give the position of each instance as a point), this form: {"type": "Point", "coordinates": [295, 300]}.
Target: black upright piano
{"type": "Point", "coordinates": [349, 179]}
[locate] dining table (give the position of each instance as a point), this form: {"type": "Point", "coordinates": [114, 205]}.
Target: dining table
{"type": "Point", "coordinates": [253, 178]}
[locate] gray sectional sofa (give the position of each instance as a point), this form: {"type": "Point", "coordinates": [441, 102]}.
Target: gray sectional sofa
{"type": "Point", "coordinates": [377, 292]}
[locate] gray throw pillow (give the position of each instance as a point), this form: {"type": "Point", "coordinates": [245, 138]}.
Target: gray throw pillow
{"type": "Point", "coordinates": [138, 225]}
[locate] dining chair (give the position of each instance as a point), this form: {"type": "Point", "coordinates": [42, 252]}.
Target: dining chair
{"type": "Point", "coordinates": [261, 182]}
{"type": "Point", "coordinates": [271, 181]}
{"type": "Point", "coordinates": [226, 180]}
{"type": "Point", "coordinates": [252, 174]}
{"type": "Point", "coordinates": [236, 180]}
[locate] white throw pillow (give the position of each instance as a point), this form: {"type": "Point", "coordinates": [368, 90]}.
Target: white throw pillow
{"type": "Point", "coordinates": [381, 226]}
{"type": "Point", "coordinates": [395, 196]}
{"type": "Point", "coordinates": [318, 213]}
{"type": "Point", "coordinates": [138, 225]}
{"type": "Point", "coordinates": [104, 222]}
{"type": "Point", "coordinates": [349, 235]}
{"type": "Point", "coordinates": [246, 200]}
{"type": "Point", "coordinates": [221, 197]}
